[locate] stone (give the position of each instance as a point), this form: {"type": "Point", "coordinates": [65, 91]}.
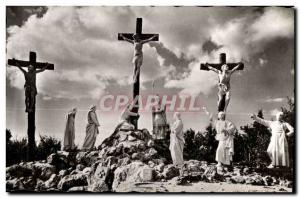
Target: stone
{"type": "Point", "coordinates": [170, 172]}
{"type": "Point", "coordinates": [131, 138]}
{"type": "Point", "coordinates": [160, 167]}
{"type": "Point", "coordinates": [128, 174]}
{"type": "Point", "coordinates": [237, 179]}
{"type": "Point", "coordinates": [151, 164]}
{"type": "Point", "coordinates": [268, 180]}
{"type": "Point", "coordinates": [79, 167]}
{"type": "Point", "coordinates": [70, 181]}
{"type": "Point", "coordinates": [87, 170]}
{"type": "Point", "coordinates": [52, 181]}
{"type": "Point", "coordinates": [14, 185]}
{"type": "Point", "coordinates": [152, 152]}
{"type": "Point", "coordinates": [63, 173]}
{"type": "Point", "coordinates": [78, 189]}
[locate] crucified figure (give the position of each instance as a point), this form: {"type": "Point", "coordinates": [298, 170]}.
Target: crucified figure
{"type": "Point", "coordinates": [138, 52]}
{"type": "Point", "coordinates": [30, 85]}
{"type": "Point", "coordinates": [224, 84]}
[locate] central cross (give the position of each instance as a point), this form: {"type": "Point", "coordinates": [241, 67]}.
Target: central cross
{"type": "Point", "coordinates": [137, 39]}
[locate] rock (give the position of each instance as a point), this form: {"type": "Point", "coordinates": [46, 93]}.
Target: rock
{"type": "Point", "coordinates": [87, 170]}
{"type": "Point", "coordinates": [268, 180]}
{"type": "Point", "coordinates": [52, 181]}
{"type": "Point", "coordinates": [238, 179]}
{"type": "Point", "coordinates": [151, 164]}
{"type": "Point", "coordinates": [124, 161]}
{"type": "Point", "coordinates": [170, 172]}
{"type": "Point", "coordinates": [210, 174]}
{"type": "Point", "coordinates": [70, 181]}
{"type": "Point", "coordinates": [79, 167]}
{"type": "Point", "coordinates": [98, 180]}
{"type": "Point", "coordinates": [62, 173]}
{"type": "Point", "coordinates": [78, 189]}
{"type": "Point", "coordinates": [14, 185]}
{"type": "Point", "coordinates": [128, 174]}
{"type": "Point", "coordinates": [150, 143]}
{"type": "Point", "coordinates": [159, 167]}
{"type": "Point", "coordinates": [131, 138]}
{"type": "Point", "coordinates": [152, 152]}
{"type": "Point", "coordinates": [137, 156]}
{"type": "Point", "coordinates": [255, 180]}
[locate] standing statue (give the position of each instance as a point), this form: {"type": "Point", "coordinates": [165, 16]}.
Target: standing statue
{"type": "Point", "coordinates": [278, 149]}
{"type": "Point", "coordinates": [138, 52]}
{"type": "Point", "coordinates": [160, 125]}
{"type": "Point", "coordinates": [177, 140]}
{"type": "Point", "coordinates": [225, 134]}
{"type": "Point", "coordinates": [69, 137]}
{"type": "Point", "coordinates": [30, 86]}
{"type": "Point", "coordinates": [91, 130]}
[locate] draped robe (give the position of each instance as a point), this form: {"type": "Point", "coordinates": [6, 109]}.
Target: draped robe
{"type": "Point", "coordinates": [225, 133]}
{"type": "Point", "coordinates": [70, 132]}
{"type": "Point", "coordinates": [278, 147]}
{"type": "Point", "coordinates": [177, 142]}
{"type": "Point", "coordinates": [91, 131]}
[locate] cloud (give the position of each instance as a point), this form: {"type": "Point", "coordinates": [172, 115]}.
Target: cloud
{"type": "Point", "coordinates": [78, 42]}
{"type": "Point", "coordinates": [272, 100]}
{"type": "Point", "coordinates": [81, 42]}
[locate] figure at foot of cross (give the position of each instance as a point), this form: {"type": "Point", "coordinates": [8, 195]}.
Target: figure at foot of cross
{"type": "Point", "coordinates": [30, 86]}
{"type": "Point", "coordinates": [138, 52]}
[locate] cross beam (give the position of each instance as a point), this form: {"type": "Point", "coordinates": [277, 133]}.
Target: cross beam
{"type": "Point", "coordinates": [138, 30]}
{"type": "Point", "coordinates": [218, 66]}
{"type": "Point", "coordinates": [32, 61]}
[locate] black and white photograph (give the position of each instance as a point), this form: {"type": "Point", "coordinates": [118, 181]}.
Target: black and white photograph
{"type": "Point", "coordinates": [150, 99]}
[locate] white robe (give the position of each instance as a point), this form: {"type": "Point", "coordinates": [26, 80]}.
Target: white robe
{"type": "Point", "coordinates": [177, 142]}
{"type": "Point", "coordinates": [91, 131]}
{"type": "Point", "coordinates": [278, 147]}
{"type": "Point", "coordinates": [70, 132]}
{"type": "Point", "coordinates": [225, 134]}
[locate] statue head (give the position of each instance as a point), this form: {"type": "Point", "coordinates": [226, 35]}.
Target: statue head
{"type": "Point", "coordinates": [136, 37]}
{"type": "Point", "coordinates": [177, 116]}
{"type": "Point", "coordinates": [225, 67]}
{"type": "Point", "coordinates": [279, 116]}
{"type": "Point", "coordinates": [221, 115]}
{"type": "Point", "coordinates": [93, 108]}
{"type": "Point", "coordinates": [74, 109]}
{"type": "Point", "coordinates": [30, 68]}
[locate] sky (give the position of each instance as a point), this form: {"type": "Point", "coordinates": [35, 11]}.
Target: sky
{"type": "Point", "coordinates": [90, 62]}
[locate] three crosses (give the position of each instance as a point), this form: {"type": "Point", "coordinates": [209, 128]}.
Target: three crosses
{"type": "Point", "coordinates": [136, 85]}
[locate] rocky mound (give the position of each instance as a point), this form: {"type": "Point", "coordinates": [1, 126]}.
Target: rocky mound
{"type": "Point", "coordinates": [123, 161]}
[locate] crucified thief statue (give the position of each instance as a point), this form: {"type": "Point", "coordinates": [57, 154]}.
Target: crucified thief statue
{"type": "Point", "coordinates": [138, 52]}
{"type": "Point", "coordinates": [34, 67]}
{"type": "Point", "coordinates": [224, 71]}
{"type": "Point", "coordinates": [30, 85]}
{"type": "Point", "coordinates": [137, 39]}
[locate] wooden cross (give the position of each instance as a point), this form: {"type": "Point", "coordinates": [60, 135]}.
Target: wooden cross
{"type": "Point", "coordinates": [136, 84]}
{"type": "Point", "coordinates": [218, 66]}
{"type": "Point", "coordinates": [138, 30]}
{"type": "Point", "coordinates": [31, 113]}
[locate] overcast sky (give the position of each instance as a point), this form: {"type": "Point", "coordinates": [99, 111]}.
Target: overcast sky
{"type": "Point", "coordinates": [90, 61]}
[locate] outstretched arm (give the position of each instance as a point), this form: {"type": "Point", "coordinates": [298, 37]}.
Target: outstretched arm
{"type": "Point", "coordinates": [148, 40]}
{"type": "Point", "coordinates": [235, 68]}
{"type": "Point", "coordinates": [261, 121]}
{"type": "Point", "coordinates": [126, 39]}
{"type": "Point", "coordinates": [23, 70]}
{"type": "Point", "coordinates": [212, 68]}
{"type": "Point", "coordinates": [41, 70]}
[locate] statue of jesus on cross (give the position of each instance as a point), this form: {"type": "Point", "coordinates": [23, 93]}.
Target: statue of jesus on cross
{"type": "Point", "coordinates": [138, 52]}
